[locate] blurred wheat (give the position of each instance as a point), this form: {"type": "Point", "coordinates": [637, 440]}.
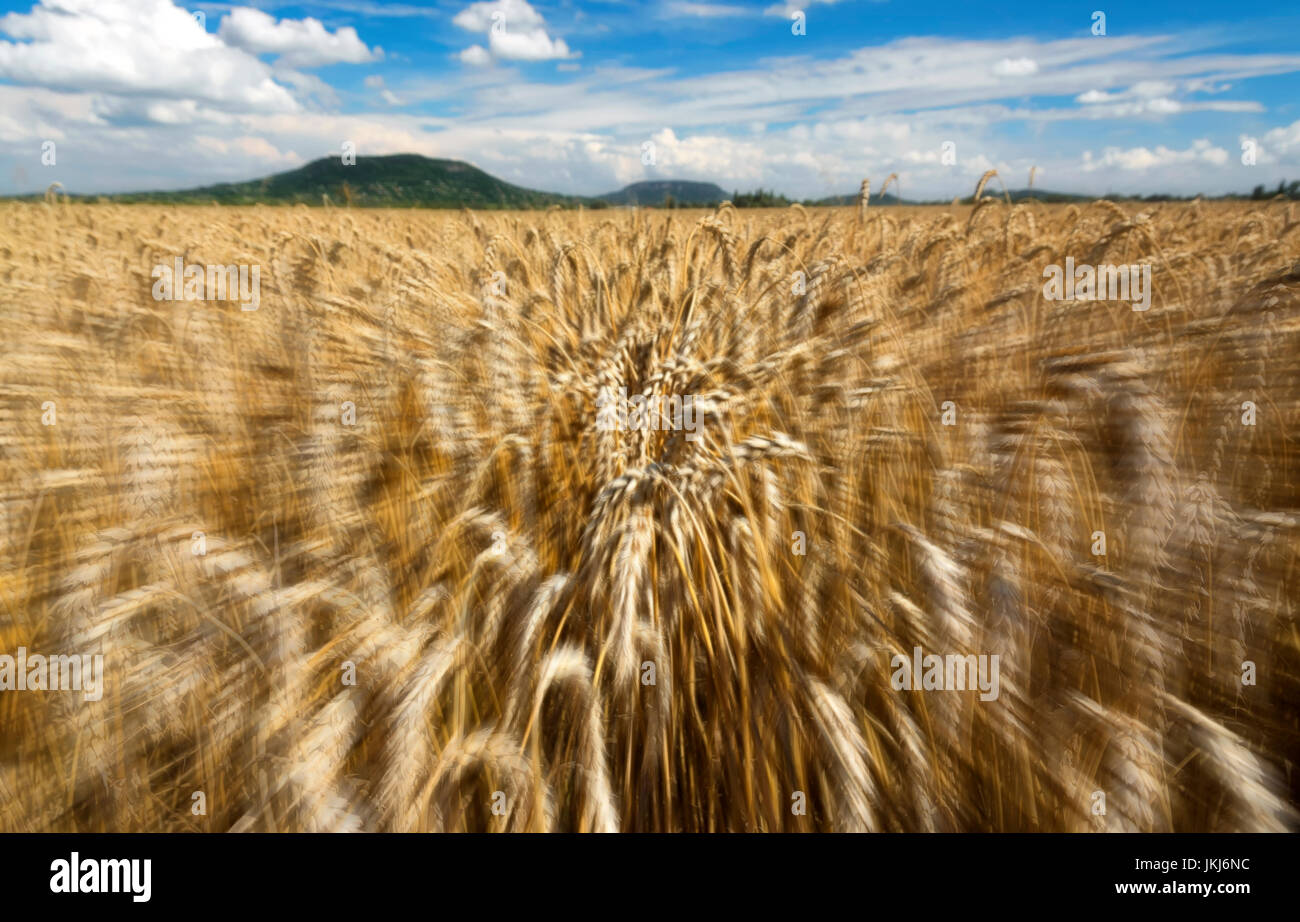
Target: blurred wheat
{"type": "Point", "coordinates": [499, 572]}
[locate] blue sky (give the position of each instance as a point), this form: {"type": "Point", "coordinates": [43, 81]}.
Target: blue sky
{"type": "Point", "coordinates": [571, 96]}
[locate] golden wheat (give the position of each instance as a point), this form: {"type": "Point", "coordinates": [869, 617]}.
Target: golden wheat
{"type": "Point", "coordinates": [366, 558]}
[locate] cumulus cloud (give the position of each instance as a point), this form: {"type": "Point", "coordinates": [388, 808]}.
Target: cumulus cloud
{"type": "Point", "coordinates": [1142, 158]}
{"type": "Point", "coordinates": [295, 42]}
{"type": "Point", "coordinates": [480, 17]}
{"type": "Point", "coordinates": [1278, 144]}
{"type": "Point", "coordinates": [705, 155]}
{"type": "Point", "coordinates": [126, 112]}
{"type": "Point", "coordinates": [145, 62]}
{"type": "Point", "coordinates": [257, 148]}
{"type": "Point", "coordinates": [515, 32]}
{"type": "Point", "coordinates": [527, 46]}
{"type": "Point", "coordinates": [376, 82]}
{"type": "Point", "coordinates": [476, 55]}
{"type": "Point", "coordinates": [134, 48]}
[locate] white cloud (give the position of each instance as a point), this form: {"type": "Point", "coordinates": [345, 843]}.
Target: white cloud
{"type": "Point", "coordinates": [296, 42]}
{"type": "Point", "coordinates": [1279, 143]}
{"type": "Point", "coordinates": [133, 48]}
{"type": "Point", "coordinates": [376, 82]}
{"type": "Point", "coordinates": [308, 86]}
{"type": "Point", "coordinates": [785, 10]}
{"type": "Point", "coordinates": [515, 32]}
{"type": "Point", "coordinates": [257, 148]}
{"type": "Point", "coordinates": [705, 155]}
{"type": "Point", "coordinates": [1015, 67]}
{"type": "Point", "coordinates": [922, 156]}
{"type": "Point", "coordinates": [511, 14]}
{"type": "Point", "coordinates": [704, 10]}
{"type": "Point", "coordinates": [1141, 158]}
{"type": "Point", "coordinates": [1155, 97]}
{"type": "Point", "coordinates": [1140, 100]}
{"type": "Point", "coordinates": [1151, 88]}
{"type": "Point", "coordinates": [132, 111]}
{"type": "Point", "coordinates": [29, 114]}
{"type": "Point", "coordinates": [527, 46]}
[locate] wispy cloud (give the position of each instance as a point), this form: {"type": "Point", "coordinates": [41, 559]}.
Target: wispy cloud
{"type": "Point", "coordinates": [794, 6]}
{"type": "Point", "coordinates": [705, 10]}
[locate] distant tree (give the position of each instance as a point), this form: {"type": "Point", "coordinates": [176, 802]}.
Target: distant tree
{"type": "Point", "coordinates": [761, 198]}
{"type": "Point", "coordinates": [1258, 192]}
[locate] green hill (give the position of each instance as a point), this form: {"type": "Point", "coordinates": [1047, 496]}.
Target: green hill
{"type": "Point", "coordinates": [394, 181]}
{"type": "Point", "coordinates": [416, 181]}
{"type": "Point", "coordinates": [656, 191]}
{"type": "Point", "coordinates": [852, 199]}
{"type": "Point", "coordinates": [1046, 196]}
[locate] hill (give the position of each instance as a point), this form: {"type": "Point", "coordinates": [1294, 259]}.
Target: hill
{"type": "Point", "coordinates": [1047, 196]}
{"type": "Point", "coordinates": [416, 181]}
{"type": "Point", "coordinates": [656, 191]}
{"type": "Point", "coordinates": [852, 199]}
{"type": "Point", "coordinates": [393, 181]}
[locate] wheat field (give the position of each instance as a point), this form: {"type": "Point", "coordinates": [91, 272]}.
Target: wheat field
{"type": "Point", "coordinates": [364, 559]}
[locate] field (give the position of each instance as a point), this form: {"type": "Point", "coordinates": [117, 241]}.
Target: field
{"type": "Point", "coordinates": [371, 556]}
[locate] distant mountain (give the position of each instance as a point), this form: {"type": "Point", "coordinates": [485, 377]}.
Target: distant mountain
{"type": "Point", "coordinates": [415, 181]}
{"type": "Point", "coordinates": [1016, 195]}
{"type": "Point", "coordinates": [852, 199]}
{"type": "Point", "coordinates": [657, 191]}
{"type": "Point", "coordinates": [1039, 195]}
{"type": "Point", "coordinates": [394, 181]}
{"type": "Point", "coordinates": [1047, 195]}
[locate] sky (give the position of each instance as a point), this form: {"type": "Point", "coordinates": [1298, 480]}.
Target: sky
{"type": "Point", "coordinates": [806, 98]}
